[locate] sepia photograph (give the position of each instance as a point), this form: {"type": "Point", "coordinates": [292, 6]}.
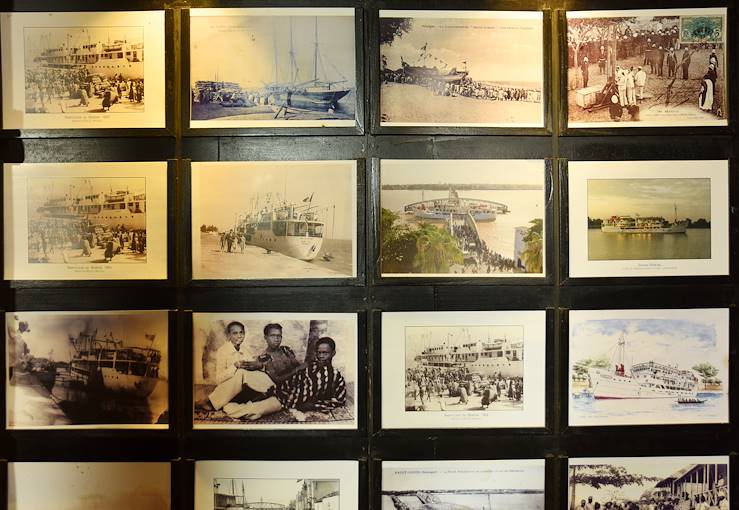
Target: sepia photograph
{"type": "Point", "coordinates": [462, 218]}
{"type": "Point", "coordinates": [296, 68]}
{"type": "Point", "coordinates": [86, 221]}
{"type": "Point", "coordinates": [463, 485]}
{"type": "Point", "coordinates": [669, 483]}
{"type": "Point", "coordinates": [275, 370]}
{"type": "Point", "coordinates": [276, 485]}
{"type": "Point", "coordinates": [83, 70]}
{"type": "Point", "coordinates": [274, 219]}
{"type": "Point", "coordinates": [649, 367]}
{"type": "Point", "coordinates": [89, 485]}
{"type": "Point", "coordinates": [87, 369]}
{"type": "Point", "coordinates": [648, 218]}
{"type": "Point", "coordinates": [463, 369]}
{"type": "Point", "coordinates": [647, 68]}
{"type": "Point", "coordinates": [461, 68]}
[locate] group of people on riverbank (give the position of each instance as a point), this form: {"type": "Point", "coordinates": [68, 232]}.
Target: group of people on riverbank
{"type": "Point", "coordinates": [697, 502]}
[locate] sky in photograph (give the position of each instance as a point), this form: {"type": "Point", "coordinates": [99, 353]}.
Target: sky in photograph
{"type": "Point", "coordinates": [496, 50]}
{"type": "Point", "coordinates": [462, 172]}
{"type": "Point", "coordinates": [418, 338]}
{"type": "Point", "coordinates": [263, 489]}
{"type": "Point", "coordinates": [650, 197]}
{"type": "Point", "coordinates": [39, 39]}
{"type": "Point", "coordinates": [242, 49]}
{"type": "Point", "coordinates": [228, 192]}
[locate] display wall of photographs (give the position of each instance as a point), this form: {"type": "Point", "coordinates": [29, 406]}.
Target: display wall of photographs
{"type": "Point", "coordinates": [87, 370]}
{"type": "Point", "coordinates": [72, 70]}
{"type": "Point", "coordinates": [509, 484]}
{"type": "Point", "coordinates": [461, 68]}
{"type": "Point", "coordinates": [647, 68]}
{"type": "Point", "coordinates": [85, 221]}
{"type": "Point", "coordinates": [633, 482]}
{"type": "Point", "coordinates": [648, 367]}
{"type": "Point", "coordinates": [463, 369]}
{"type": "Point", "coordinates": [87, 485]}
{"type": "Point", "coordinates": [462, 218]}
{"type": "Point", "coordinates": [271, 484]}
{"type": "Point", "coordinates": [648, 218]}
{"type": "Point", "coordinates": [299, 68]}
{"type": "Point", "coordinates": [274, 220]}
{"type": "Point", "coordinates": [275, 370]}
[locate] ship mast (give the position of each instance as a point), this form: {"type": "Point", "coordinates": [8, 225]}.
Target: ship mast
{"type": "Point", "coordinates": [315, 53]}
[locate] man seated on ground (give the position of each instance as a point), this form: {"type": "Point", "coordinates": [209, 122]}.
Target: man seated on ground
{"type": "Point", "coordinates": [278, 361]}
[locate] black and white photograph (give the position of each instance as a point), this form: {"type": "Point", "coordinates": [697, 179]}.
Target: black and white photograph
{"type": "Point", "coordinates": [274, 220]}
{"type": "Point", "coordinates": [87, 369]}
{"type": "Point", "coordinates": [649, 367]}
{"type": "Point", "coordinates": [649, 218]}
{"type": "Point", "coordinates": [461, 68]}
{"type": "Point", "coordinates": [296, 68]}
{"type": "Point", "coordinates": [83, 70]}
{"type": "Point", "coordinates": [276, 485]}
{"type": "Point", "coordinates": [463, 369]}
{"type": "Point", "coordinates": [89, 485]}
{"type": "Point", "coordinates": [664, 483]}
{"type": "Point", "coordinates": [462, 218]}
{"type": "Point", "coordinates": [647, 68]}
{"type": "Point", "coordinates": [463, 485]}
{"type": "Point", "coordinates": [85, 221]}
{"type": "Point", "coordinates": [275, 370]}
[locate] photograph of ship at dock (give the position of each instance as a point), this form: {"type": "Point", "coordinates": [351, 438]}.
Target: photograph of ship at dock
{"type": "Point", "coordinates": [87, 369]}
{"type": "Point", "coordinates": [462, 218]}
{"type": "Point", "coordinates": [275, 493]}
{"type": "Point", "coordinates": [463, 485]}
{"type": "Point", "coordinates": [649, 367]}
{"type": "Point", "coordinates": [461, 68]}
{"type": "Point", "coordinates": [669, 483]}
{"type": "Point", "coordinates": [296, 67]}
{"type": "Point", "coordinates": [89, 485]}
{"type": "Point", "coordinates": [648, 218]}
{"type": "Point", "coordinates": [274, 219]}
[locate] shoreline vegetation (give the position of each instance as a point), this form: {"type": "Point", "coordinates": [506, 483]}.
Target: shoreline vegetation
{"type": "Point", "coordinates": [596, 223]}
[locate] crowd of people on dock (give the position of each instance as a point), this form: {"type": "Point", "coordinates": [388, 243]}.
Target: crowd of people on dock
{"type": "Point", "coordinates": [232, 241]}
{"type": "Point", "coordinates": [485, 260]}
{"type": "Point", "coordinates": [696, 502]}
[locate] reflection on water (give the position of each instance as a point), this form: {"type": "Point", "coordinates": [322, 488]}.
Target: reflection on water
{"type": "Point", "coordinates": [694, 244]}
{"type": "Point", "coordinates": [660, 410]}
{"type": "Point", "coordinates": [533, 501]}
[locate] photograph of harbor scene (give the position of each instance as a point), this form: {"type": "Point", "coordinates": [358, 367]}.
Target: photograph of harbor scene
{"type": "Point", "coordinates": [87, 369]}
{"type": "Point", "coordinates": [664, 483]}
{"type": "Point", "coordinates": [463, 485]}
{"type": "Point", "coordinates": [91, 69]}
{"type": "Point", "coordinates": [464, 368]}
{"type": "Point", "coordinates": [462, 218]}
{"type": "Point", "coordinates": [275, 494]}
{"type": "Point", "coordinates": [461, 68]}
{"type": "Point", "coordinates": [84, 220]}
{"type": "Point", "coordinates": [274, 219]}
{"type": "Point", "coordinates": [649, 218]}
{"type": "Point", "coordinates": [296, 67]}
{"type": "Point", "coordinates": [649, 367]}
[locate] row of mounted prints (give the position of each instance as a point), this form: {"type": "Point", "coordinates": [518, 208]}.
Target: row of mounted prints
{"type": "Point", "coordinates": [298, 220]}
{"type": "Point", "coordinates": [298, 68]}
{"type": "Point", "coordinates": [617, 483]}
{"type": "Point", "coordinates": [76, 370]}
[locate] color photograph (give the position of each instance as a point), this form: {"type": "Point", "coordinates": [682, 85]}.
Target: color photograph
{"type": "Point", "coordinates": [462, 218]}
{"type": "Point", "coordinates": [461, 68]}
{"type": "Point", "coordinates": [274, 219]}
{"type": "Point", "coordinates": [296, 68]}
{"type": "Point", "coordinates": [647, 68]}
{"type": "Point", "coordinates": [649, 367]}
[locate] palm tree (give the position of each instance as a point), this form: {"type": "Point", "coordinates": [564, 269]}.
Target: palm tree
{"type": "Point", "coordinates": [532, 256]}
{"type": "Point", "coordinates": [436, 250]}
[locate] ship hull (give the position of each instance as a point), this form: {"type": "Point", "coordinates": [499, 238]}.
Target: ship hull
{"type": "Point", "coordinates": [132, 221]}
{"type": "Point", "coordinates": [135, 385]}
{"type": "Point", "coordinates": [312, 100]}
{"type": "Point", "coordinates": [488, 367]}
{"type": "Point", "coordinates": [675, 229]}
{"type": "Point", "coordinates": [107, 68]}
{"type": "Point", "coordinates": [298, 247]}
{"type": "Point", "coordinates": [442, 216]}
{"type": "Point", "coordinates": [607, 385]}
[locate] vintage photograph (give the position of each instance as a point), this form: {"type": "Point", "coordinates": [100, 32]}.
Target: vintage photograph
{"type": "Point", "coordinates": [647, 68]}
{"type": "Point", "coordinates": [86, 221]}
{"type": "Point", "coordinates": [665, 483]}
{"type": "Point", "coordinates": [648, 218]}
{"type": "Point", "coordinates": [298, 68]}
{"type": "Point", "coordinates": [277, 485]}
{"type": "Point", "coordinates": [274, 219]}
{"type": "Point", "coordinates": [87, 369]}
{"type": "Point", "coordinates": [649, 367]}
{"type": "Point", "coordinates": [463, 485]}
{"type": "Point", "coordinates": [461, 68]}
{"type": "Point", "coordinates": [83, 70]}
{"type": "Point", "coordinates": [462, 218]}
{"type": "Point", "coordinates": [275, 370]}
{"type": "Point", "coordinates": [89, 485]}
{"type": "Point", "coordinates": [463, 369]}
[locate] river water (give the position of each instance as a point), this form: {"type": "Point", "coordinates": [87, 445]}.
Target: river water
{"type": "Point", "coordinates": [694, 244]}
{"type": "Point", "coordinates": [476, 501]}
